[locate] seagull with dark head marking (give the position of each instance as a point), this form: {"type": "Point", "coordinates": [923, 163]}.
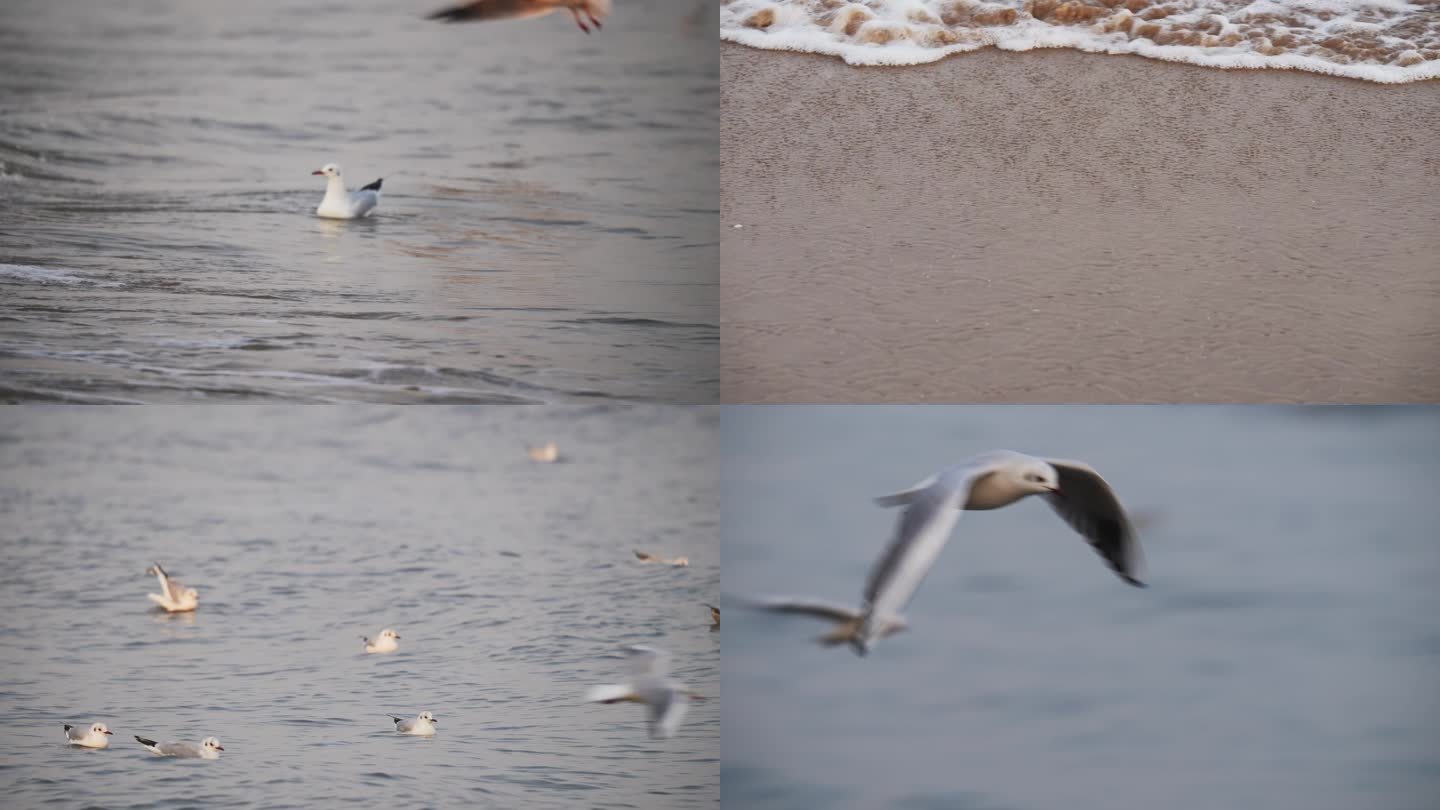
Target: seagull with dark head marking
{"type": "Point", "coordinates": [422, 726]}
{"type": "Point", "coordinates": [932, 507]}
{"type": "Point", "coordinates": [480, 10]}
{"type": "Point", "coordinates": [341, 204]}
{"type": "Point", "coordinates": [96, 735]}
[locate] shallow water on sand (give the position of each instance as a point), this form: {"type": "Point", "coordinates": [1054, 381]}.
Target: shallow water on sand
{"type": "Point", "coordinates": [511, 584]}
{"type": "Point", "coordinates": [547, 230]}
{"type": "Point", "coordinates": [1285, 653]}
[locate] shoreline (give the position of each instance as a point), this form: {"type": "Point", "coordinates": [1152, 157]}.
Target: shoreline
{"type": "Point", "coordinates": [1056, 226]}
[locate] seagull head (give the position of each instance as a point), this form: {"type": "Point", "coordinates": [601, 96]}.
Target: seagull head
{"type": "Point", "coordinates": [388, 633]}
{"type": "Point", "coordinates": [329, 170]}
{"type": "Point", "coordinates": [211, 743]}
{"type": "Point", "coordinates": [99, 728]}
{"type": "Point", "coordinates": [1038, 478]}
{"type": "Point", "coordinates": [192, 595]}
{"type": "Point", "coordinates": [428, 717]}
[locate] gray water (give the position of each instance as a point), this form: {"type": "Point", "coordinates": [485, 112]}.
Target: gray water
{"type": "Point", "coordinates": [548, 228]}
{"type": "Point", "coordinates": [1285, 655]}
{"type": "Point", "coordinates": [304, 529]}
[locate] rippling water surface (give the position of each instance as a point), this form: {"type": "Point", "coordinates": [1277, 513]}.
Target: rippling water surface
{"type": "Point", "coordinates": [511, 584]}
{"type": "Point", "coordinates": [1286, 653]}
{"type": "Point", "coordinates": [548, 228]}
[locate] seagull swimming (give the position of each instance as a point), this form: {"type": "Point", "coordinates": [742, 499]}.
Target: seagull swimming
{"type": "Point", "coordinates": [388, 642]}
{"type": "Point", "coordinates": [96, 736]}
{"type": "Point", "coordinates": [173, 596]}
{"type": "Point", "coordinates": [478, 10]}
{"type": "Point", "coordinates": [545, 453]}
{"type": "Point", "coordinates": [646, 557]}
{"type": "Point", "coordinates": [714, 617]}
{"type": "Point", "coordinates": [421, 726]}
{"type": "Point", "coordinates": [342, 204]}
{"type": "Point", "coordinates": [209, 748]}
{"type": "Point", "coordinates": [666, 699]}
{"type": "Point", "coordinates": [932, 507]}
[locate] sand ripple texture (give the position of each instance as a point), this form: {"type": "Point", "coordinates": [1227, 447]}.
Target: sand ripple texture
{"type": "Point", "coordinates": [1076, 231]}
{"type": "Point", "coordinates": [1374, 40]}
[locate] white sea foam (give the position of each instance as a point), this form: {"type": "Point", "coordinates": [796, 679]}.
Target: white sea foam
{"type": "Point", "coordinates": [1385, 41]}
{"type": "Point", "coordinates": [45, 275]}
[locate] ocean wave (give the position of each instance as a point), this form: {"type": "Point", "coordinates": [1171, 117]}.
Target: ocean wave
{"type": "Point", "coordinates": [1384, 41]}
{"type": "Point", "coordinates": [32, 274]}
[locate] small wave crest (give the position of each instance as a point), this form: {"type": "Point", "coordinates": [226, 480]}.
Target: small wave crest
{"type": "Point", "coordinates": [1386, 41]}
{"type": "Point", "coordinates": [33, 274]}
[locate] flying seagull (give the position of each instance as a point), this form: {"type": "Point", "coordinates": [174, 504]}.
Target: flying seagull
{"type": "Point", "coordinates": [666, 701]}
{"type": "Point", "coordinates": [932, 507]}
{"type": "Point", "coordinates": [478, 10]}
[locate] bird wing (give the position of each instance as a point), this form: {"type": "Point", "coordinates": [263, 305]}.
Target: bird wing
{"type": "Point", "coordinates": [646, 660]}
{"type": "Point", "coordinates": [667, 708]}
{"type": "Point", "coordinates": [924, 529]}
{"type": "Point", "coordinates": [480, 10]}
{"type": "Point", "coordinates": [609, 693]}
{"type": "Point", "coordinates": [1088, 504]}
{"type": "Point", "coordinates": [803, 606]}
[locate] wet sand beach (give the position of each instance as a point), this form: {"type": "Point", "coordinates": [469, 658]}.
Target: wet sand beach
{"type": "Point", "coordinates": [1058, 226]}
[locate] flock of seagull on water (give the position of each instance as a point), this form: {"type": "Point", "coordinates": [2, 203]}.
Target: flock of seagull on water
{"type": "Point", "coordinates": [666, 700]}
{"type": "Point", "coordinates": [931, 509]}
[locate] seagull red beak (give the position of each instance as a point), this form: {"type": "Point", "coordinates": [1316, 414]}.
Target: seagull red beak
{"type": "Point", "coordinates": [317, 171]}
{"type": "Point", "coordinates": [107, 732]}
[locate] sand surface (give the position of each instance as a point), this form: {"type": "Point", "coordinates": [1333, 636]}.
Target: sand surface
{"type": "Point", "coordinates": [1058, 226]}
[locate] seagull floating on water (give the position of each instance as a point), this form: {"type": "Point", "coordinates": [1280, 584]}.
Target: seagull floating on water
{"type": "Point", "coordinates": [932, 507]}
{"type": "Point", "coordinates": [209, 748]}
{"type": "Point", "coordinates": [647, 558]}
{"type": "Point", "coordinates": [544, 453]}
{"type": "Point", "coordinates": [421, 726]}
{"type": "Point", "coordinates": [714, 617]}
{"type": "Point", "coordinates": [96, 736]}
{"type": "Point", "coordinates": [388, 642]}
{"type": "Point", "coordinates": [173, 596]}
{"type": "Point", "coordinates": [479, 10]}
{"type": "Point", "coordinates": [667, 700]}
{"type": "Point", "coordinates": [342, 204]}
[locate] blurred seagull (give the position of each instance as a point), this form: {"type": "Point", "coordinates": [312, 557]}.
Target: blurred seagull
{"type": "Point", "coordinates": [545, 453]}
{"type": "Point", "coordinates": [932, 507]}
{"type": "Point", "coordinates": [342, 204]}
{"type": "Point", "coordinates": [209, 748]}
{"type": "Point", "coordinates": [96, 736]}
{"type": "Point", "coordinates": [421, 726]}
{"type": "Point", "coordinates": [388, 642]}
{"type": "Point", "coordinates": [714, 617]}
{"type": "Point", "coordinates": [478, 10]}
{"type": "Point", "coordinates": [646, 557]}
{"type": "Point", "coordinates": [173, 596]}
{"type": "Point", "coordinates": [666, 699]}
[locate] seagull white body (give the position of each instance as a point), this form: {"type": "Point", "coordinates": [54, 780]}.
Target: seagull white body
{"type": "Point", "coordinates": [94, 736]}
{"type": "Point", "coordinates": [666, 700]}
{"type": "Point", "coordinates": [173, 596]}
{"type": "Point", "coordinates": [422, 726]}
{"type": "Point", "coordinates": [480, 10]}
{"type": "Point", "coordinates": [208, 748]}
{"type": "Point", "coordinates": [546, 453]}
{"type": "Point", "coordinates": [341, 204]}
{"type": "Point", "coordinates": [647, 558]}
{"type": "Point", "coordinates": [387, 642]}
{"type": "Point", "coordinates": [932, 507]}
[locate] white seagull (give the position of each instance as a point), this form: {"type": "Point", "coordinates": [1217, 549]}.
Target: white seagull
{"type": "Point", "coordinates": [388, 642]}
{"type": "Point", "coordinates": [96, 736]}
{"type": "Point", "coordinates": [421, 726]}
{"type": "Point", "coordinates": [478, 10]}
{"type": "Point", "coordinates": [647, 558]}
{"type": "Point", "coordinates": [667, 700]}
{"type": "Point", "coordinates": [209, 748]}
{"type": "Point", "coordinates": [342, 204]}
{"type": "Point", "coordinates": [932, 507]}
{"type": "Point", "coordinates": [173, 596]}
